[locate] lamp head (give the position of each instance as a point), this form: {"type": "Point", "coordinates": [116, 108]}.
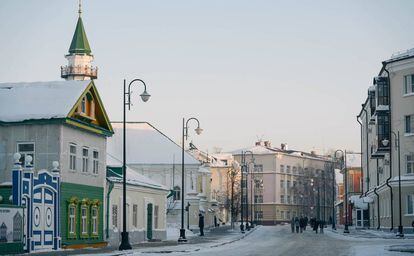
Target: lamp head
{"type": "Point", "coordinates": [385, 142]}
{"type": "Point", "coordinates": [198, 130]}
{"type": "Point", "coordinates": [145, 96]}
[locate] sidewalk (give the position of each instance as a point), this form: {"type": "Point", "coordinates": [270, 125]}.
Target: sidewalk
{"type": "Point", "coordinates": [368, 233]}
{"type": "Point", "coordinates": [213, 238]}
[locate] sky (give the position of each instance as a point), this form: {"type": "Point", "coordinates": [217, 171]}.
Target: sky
{"type": "Point", "coordinates": [291, 72]}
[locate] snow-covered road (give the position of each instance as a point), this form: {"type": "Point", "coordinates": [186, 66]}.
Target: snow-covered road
{"type": "Point", "coordinates": [278, 240]}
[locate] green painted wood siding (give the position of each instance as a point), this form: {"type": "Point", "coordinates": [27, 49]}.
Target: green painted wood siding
{"type": "Point", "coordinates": [69, 190]}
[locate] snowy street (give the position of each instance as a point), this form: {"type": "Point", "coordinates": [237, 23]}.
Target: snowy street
{"type": "Point", "coordinates": [278, 240]}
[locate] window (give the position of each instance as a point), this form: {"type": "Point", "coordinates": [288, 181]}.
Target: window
{"type": "Point", "coordinates": [282, 183]}
{"type": "Point", "coordinates": [95, 165]}
{"type": "Point", "coordinates": [294, 170]}
{"type": "Point", "coordinates": [288, 169]}
{"type": "Point", "coordinates": [156, 210]}
{"type": "Point", "coordinates": [135, 215]}
{"type": "Point", "coordinates": [288, 199]}
{"type": "Point", "coordinates": [282, 199]}
{"type": "Point", "coordinates": [115, 216]}
{"type": "Point", "coordinates": [383, 128]}
{"type": "Point", "coordinates": [410, 204]}
{"type": "Point", "coordinates": [244, 183]}
{"type": "Point", "coordinates": [288, 183]}
{"type": "Point", "coordinates": [258, 198]}
{"type": "Point", "coordinates": [282, 214]}
{"type": "Point", "coordinates": [177, 193]}
{"type": "Point", "coordinates": [408, 84]}
{"type": "Point", "coordinates": [258, 168]}
{"type": "Point", "coordinates": [72, 157]}
{"type": "Point", "coordinates": [84, 220]}
{"type": "Point", "coordinates": [26, 149]}
{"type": "Point", "coordinates": [382, 91]}
{"type": "Point", "coordinates": [409, 163]}
{"type": "Point", "coordinates": [83, 105]}
{"type": "Point", "coordinates": [282, 168]}
{"type": "Point", "coordinates": [94, 213]}
{"type": "Point", "coordinates": [72, 220]}
{"type": "Point", "coordinates": [259, 214]}
{"type": "Point", "coordinates": [85, 159]}
{"type": "Point", "coordinates": [409, 124]}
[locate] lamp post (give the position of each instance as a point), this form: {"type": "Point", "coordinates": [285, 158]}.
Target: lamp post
{"type": "Point", "coordinates": [125, 245]}
{"type": "Point", "coordinates": [346, 230]}
{"type": "Point", "coordinates": [385, 142]}
{"type": "Point", "coordinates": [244, 171]}
{"type": "Point", "coordinates": [198, 130]}
{"type": "Point", "coordinates": [258, 183]}
{"type": "Point", "coordinates": [333, 196]}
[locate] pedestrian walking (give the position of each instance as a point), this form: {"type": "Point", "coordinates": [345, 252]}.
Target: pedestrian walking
{"type": "Point", "coordinates": [301, 224]}
{"type": "Point", "coordinates": [306, 222]}
{"type": "Point", "coordinates": [297, 224]}
{"type": "Point", "coordinates": [321, 225]}
{"type": "Point", "coordinates": [201, 223]}
{"type": "Point", "coordinates": [292, 224]}
{"type": "Point", "coordinates": [315, 226]}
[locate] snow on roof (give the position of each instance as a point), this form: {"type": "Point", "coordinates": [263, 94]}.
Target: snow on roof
{"type": "Point", "coordinates": [39, 100]}
{"type": "Point", "coordinates": [146, 145]}
{"type": "Point", "coordinates": [133, 177]}
{"type": "Point", "coordinates": [256, 150]}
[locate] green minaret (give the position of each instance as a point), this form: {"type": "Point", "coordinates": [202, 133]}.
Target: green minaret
{"type": "Point", "coordinates": [80, 55]}
{"type": "Point", "coordinates": [80, 44]}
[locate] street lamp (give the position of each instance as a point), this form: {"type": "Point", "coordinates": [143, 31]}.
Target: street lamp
{"type": "Point", "coordinates": [385, 142]}
{"type": "Point", "coordinates": [198, 130]}
{"type": "Point", "coordinates": [125, 245]}
{"type": "Point", "coordinates": [258, 183]}
{"type": "Point", "coordinates": [244, 171]}
{"type": "Point", "coordinates": [346, 230]}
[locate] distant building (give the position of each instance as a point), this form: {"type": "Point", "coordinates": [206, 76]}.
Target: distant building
{"type": "Point", "coordinates": [286, 183]}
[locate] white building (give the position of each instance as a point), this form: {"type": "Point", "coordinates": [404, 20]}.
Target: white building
{"type": "Point", "coordinates": [154, 155]}
{"type": "Point", "coordinates": [387, 143]}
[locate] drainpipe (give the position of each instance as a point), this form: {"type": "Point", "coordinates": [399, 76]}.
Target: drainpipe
{"type": "Point", "coordinates": [367, 155]}
{"type": "Point", "coordinates": [390, 128]}
{"type": "Point", "coordinates": [378, 201]}
{"type": "Point", "coordinates": [111, 186]}
{"type": "Point", "coordinates": [362, 171]}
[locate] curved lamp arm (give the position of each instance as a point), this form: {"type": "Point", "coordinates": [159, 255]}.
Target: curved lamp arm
{"type": "Point", "coordinates": [198, 130]}
{"type": "Point", "coordinates": [144, 96]}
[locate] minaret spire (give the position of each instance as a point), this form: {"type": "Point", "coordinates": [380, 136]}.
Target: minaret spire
{"type": "Point", "coordinates": [80, 55]}
{"type": "Point", "coordinates": [80, 8]}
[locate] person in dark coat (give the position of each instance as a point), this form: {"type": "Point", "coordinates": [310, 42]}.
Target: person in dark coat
{"type": "Point", "coordinates": [297, 224]}
{"type": "Point", "coordinates": [316, 226]}
{"type": "Point", "coordinates": [306, 222]}
{"type": "Point", "coordinates": [321, 225]}
{"type": "Point", "coordinates": [301, 223]}
{"type": "Point", "coordinates": [292, 224]}
{"type": "Point", "coordinates": [201, 223]}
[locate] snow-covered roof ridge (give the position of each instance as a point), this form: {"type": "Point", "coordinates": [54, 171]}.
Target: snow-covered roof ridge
{"type": "Point", "coordinates": [39, 100]}
{"type": "Point", "coordinates": [133, 177]}
{"type": "Point", "coordinates": [146, 145]}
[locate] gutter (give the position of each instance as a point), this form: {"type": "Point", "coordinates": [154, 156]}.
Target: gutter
{"type": "Point", "coordinates": [111, 186]}
{"type": "Point", "coordinates": [390, 127]}
{"type": "Point", "coordinates": [378, 201]}
{"type": "Point", "coordinates": [367, 124]}
{"type": "Point", "coordinates": [362, 171]}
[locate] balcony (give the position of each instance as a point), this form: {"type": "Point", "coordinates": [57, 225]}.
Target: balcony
{"type": "Point", "coordinates": [382, 94]}
{"type": "Point", "coordinates": [66, 71]}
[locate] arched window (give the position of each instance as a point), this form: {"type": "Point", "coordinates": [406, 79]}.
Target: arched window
{"type": "Point", "coordinates": [177, 193]}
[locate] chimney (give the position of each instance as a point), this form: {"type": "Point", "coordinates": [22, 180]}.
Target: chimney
{"type": "Point", "coordinates": [313, 153]}
{"type": "Point", "coordinates": [259, 143]}
{"type": "Point", "coordinates": [284, 146]}
{"type": "Point", "coordinates": [267, 144]}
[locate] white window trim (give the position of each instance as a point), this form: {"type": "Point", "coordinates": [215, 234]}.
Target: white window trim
{"type": "Point", "coordinates": [76, 156]}
{"type": "Point", "coordinates": [93, 162]}
{"type": "Point", "coordinates": [87, 158]}
{"type": "Point", "coordinates": [84, 218]}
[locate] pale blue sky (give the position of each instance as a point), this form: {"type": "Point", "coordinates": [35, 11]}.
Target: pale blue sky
{"type": "Point", "coordinates": [286, 71]}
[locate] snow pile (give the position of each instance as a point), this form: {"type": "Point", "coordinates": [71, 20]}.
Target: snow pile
{"type": "Point", "coordinates": [39, 100]}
